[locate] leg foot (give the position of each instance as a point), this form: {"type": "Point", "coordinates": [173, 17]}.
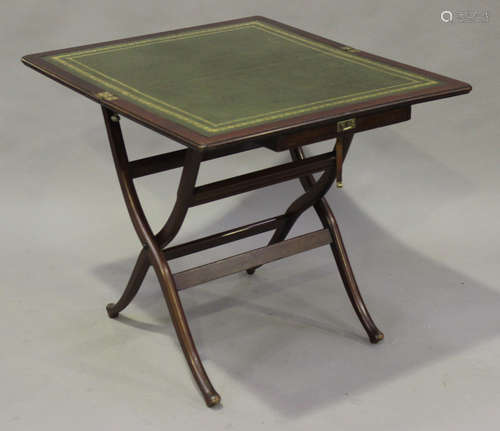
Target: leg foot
{"type": "Point", "coordinates": [376, 337]}
{"type": "Point", "coordinates": [213, 400]}
{"type": "Point", "coordinates": [140, 269]}
{"type": "Point", "coordinates": [250, 271]}
{"type": "Point", "coordinates": [111, 309]}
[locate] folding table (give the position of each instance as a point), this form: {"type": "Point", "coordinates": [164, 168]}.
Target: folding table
{"type": "Point", "coordinates": [229, 87]}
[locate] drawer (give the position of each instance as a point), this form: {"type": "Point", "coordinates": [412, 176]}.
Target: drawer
{"type": "Point", "coordinates": [330, 130]}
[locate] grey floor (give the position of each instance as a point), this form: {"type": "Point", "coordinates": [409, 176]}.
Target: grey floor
{"type": "Point", "coordinates": [420, 215]}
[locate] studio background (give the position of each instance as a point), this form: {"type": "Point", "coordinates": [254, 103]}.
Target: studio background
{"type": "Point", "coordinates": [419, 212]}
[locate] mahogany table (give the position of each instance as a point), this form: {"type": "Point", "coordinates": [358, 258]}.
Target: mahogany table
{"type": "Point", "coordinates": [225, 88]}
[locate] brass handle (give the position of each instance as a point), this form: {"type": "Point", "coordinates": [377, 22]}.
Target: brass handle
{"type": "Point", "coordinates": [345, 125]}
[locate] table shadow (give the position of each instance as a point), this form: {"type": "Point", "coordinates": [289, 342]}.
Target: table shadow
{"type": "Point", "coordinates": [289, 334]}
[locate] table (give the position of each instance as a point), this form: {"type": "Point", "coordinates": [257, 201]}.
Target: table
{"type": "Point", "coordinates": [225, 88]}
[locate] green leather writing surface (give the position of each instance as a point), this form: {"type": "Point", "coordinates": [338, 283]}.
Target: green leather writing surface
{"type": "Point", "coordinates": [229, 77]}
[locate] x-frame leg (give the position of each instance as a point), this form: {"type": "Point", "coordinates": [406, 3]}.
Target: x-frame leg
{"type": "Point", "coordinates": [154, 252]}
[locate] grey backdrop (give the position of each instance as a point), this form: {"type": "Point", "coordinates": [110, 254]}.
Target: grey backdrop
{"type": "Point", "coordinates": [419, 212]}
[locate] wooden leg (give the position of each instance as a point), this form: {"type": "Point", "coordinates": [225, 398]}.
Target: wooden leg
{"type": "Point", "coordinates": [339, 252]}
{"type": "Point", "coordinates": [151, 243]}
{"type": "Point", "coordinates": [134, 283]}
{"type": "Point", "coordinates": [179, 320]}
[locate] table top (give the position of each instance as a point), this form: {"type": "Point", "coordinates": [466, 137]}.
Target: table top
{"type": "Point", "coordinates": [236, 80]}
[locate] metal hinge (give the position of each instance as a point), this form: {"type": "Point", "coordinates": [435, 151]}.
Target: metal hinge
{"type": "Point", "coordinates": [347, 48]}
{"type": "Point", "coordinates": [106, 95]}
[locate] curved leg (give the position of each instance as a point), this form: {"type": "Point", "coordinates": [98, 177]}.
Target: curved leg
{"type": "Point", "coordinates": [161, 267]}
{"type": "Point", "coordinates": [344, 266]}
{"type": "Point", "coordinates": [186, 341]}
{"type": "Point", "coordinates": [339, 252]}
{"type": "Point", "coordinates": [140, 269]}
{"type": "Point", "coordinates": [184, 196]}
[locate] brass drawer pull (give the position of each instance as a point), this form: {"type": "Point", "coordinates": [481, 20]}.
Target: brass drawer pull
{"type": "Point", "coordinates": [344, 125]}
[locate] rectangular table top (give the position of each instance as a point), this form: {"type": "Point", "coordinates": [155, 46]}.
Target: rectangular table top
{"type": "Point", "coordinates": [232, 81]}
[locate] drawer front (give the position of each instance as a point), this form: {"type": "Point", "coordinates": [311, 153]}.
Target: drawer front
{"type": "Point", "coordinates": [333, 129]}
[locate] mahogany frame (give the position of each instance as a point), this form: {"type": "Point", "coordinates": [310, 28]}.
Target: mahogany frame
{"type": "Point", "coordinates": [156, 253]}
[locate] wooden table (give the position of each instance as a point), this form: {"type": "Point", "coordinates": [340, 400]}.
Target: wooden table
{"type": "Point", "coordinates": [225, 88]}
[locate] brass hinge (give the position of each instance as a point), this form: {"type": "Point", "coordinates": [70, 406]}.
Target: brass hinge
{"type": "Point", "coordinates": [347, 48]}
{"type": "Point", "coordinates": [106, 95]}
{"type": "Point", "coordinates": [345, 125]}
